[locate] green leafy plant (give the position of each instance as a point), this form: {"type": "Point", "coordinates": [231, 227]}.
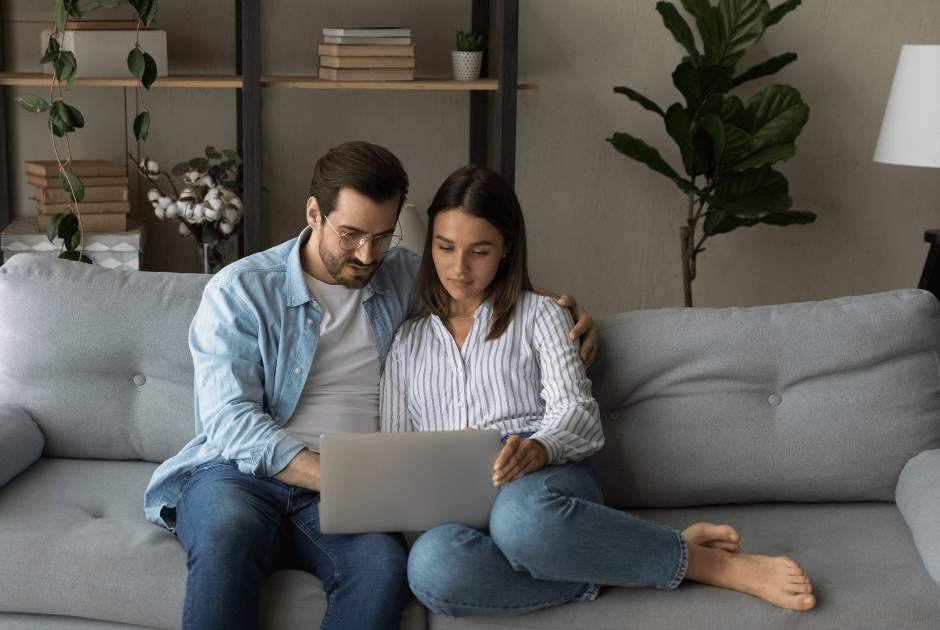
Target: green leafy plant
{"type": "Point", "coordinates": [727, 145]}
{"type": "Point", "coordinates": [65, 118]}
{"type": "Point", "coordinates": [468, 42]}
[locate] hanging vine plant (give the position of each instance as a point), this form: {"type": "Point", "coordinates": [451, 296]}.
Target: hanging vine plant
{"type": "Point", "coordinates": [65, 118]}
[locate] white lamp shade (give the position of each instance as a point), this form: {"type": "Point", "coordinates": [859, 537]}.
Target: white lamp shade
{"type": "Point", "coordinates": [413, 228]}
{"type": "Point", "coordinates": [910, 133]}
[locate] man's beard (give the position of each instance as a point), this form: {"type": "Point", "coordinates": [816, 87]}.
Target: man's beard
{"type": "Point", "coordinates": [335, 267]}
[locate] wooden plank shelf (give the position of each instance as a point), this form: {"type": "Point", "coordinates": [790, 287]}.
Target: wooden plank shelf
{"type": "Point", "coordinates": [234, 81]}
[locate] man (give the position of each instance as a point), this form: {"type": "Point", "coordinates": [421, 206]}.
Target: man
{"type": "Point", "coordinates": [287, 345]}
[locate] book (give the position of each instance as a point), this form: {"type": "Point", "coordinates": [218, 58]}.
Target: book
{"type": "Point", "coordinates": [369, 31]}
{"type": "Point", "coordinates": [96, 168]}
{"type": "Point", "coordinates": [92, 193]}
{"type": "Point", "coordinates": [87, 182]}
{"type": "Point", "coordinates": [93, 222]}
{"type": "Point", "coordinates": [107, 25]}
{"type": "Point", "coordinates": [330, 39]}
{"type": "Point", "coordinates": [367, 62]}
{"type": "Point", "coordinates": [94, 207]}
{"type": "Point", "coordinates": [366, 74]}
{"type": "Point", "coordinates": [366, 50]}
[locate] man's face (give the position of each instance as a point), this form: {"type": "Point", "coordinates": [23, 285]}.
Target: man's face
{"type": "Point", "coordinates": [355, 214]}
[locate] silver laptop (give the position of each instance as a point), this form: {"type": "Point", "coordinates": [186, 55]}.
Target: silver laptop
{"type": "Point", "coordinates": [393, 482]}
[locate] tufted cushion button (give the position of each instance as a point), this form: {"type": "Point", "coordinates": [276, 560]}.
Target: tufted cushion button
{"type": "Point", "coordinates": [613, 415]}
{"type": "Point", "coordinates": [139, 379]}
{"type": "Point", "coordinates": [775, 399]}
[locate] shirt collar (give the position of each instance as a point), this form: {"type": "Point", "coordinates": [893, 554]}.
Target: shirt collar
{"type": "Point", "coordinates": [297, 291]}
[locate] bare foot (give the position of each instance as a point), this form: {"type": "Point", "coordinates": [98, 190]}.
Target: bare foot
{"type": "Point", "coordinates": [716, 536]}
{"type": "Point", "coordinates": [779, 581]}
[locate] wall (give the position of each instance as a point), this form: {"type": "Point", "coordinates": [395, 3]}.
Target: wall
{"type": "Point", "coordinates": [600, 225]}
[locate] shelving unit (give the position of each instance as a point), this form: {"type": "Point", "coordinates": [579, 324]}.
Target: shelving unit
{"type": "Point", "coordinates": [248, 82]}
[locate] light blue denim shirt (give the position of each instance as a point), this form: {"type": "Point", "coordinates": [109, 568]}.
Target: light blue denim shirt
{"type": "Point", "coordinates": [252, 341]}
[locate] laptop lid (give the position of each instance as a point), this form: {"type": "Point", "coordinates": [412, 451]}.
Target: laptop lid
{"type": "Point", "coordinates": [393, 482]}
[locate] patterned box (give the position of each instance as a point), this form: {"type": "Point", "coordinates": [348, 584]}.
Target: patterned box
{"type": "Point", "coordinates": [121, 250]}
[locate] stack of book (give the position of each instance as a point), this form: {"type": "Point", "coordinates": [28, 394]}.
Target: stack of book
{"type": "Point", "coordinates": [105, 206]}
{"type": "Point", "coordinates": [366, 54]}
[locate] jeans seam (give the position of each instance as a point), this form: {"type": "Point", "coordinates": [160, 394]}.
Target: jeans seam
{"type": "Point", "coordinates": [337, 574]}
{"type": "Point", "coordinates": [522, 608]}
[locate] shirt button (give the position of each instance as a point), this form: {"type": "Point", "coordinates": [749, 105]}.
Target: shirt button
{"type": "Point", "coordinates": [309, 321]}
{"type": "Point", "coordinates": [297, 370]}
{"type": "Point", "coordinates": [460, 403]}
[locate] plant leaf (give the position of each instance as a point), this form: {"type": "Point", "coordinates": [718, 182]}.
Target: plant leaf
{"type": "Point", "coordinates": [790, 218]}
{"type": "Point", "coordinates": [52, 230]}
{"type": "Point", "coordinates": [180, 169]}
{"type": "Point", "coordinates": [638, 150]}
{"type": "Point", "coordinates": [72, 7]}
{"type": "Point", "coordinates": [679, 127]}
{"type": "Point", "coordinates": [69, 232]}
{"type": "Point", "coordinates": [764, 180]}
{"type": "Point", "coordinates": [60, 12]}
{"type": "Point", "coordinates": [769, 67]}
{"type": "Point", "coordinates": [72, 185]}
{"type": "Point", "coordinates": [715, 129]}
{"type": "Point", "coordinates": [639, 98]}
{"type": "Point", "coordinates": [679, 29]}
{"type": "Point", "coordinates": [52, 51]}
{"type": "Point", "coordinates": [738, 145]}
{"type": "Point", "coordinates": [212, 154]}
{"type": "Point", "coordinates": [775, 116]}
{"type": "Point", "coordinates": [698, 83]}
{"type": "Point", "coordinates": [199, 164]}
{"type": "Point", "coordinates": [147, 10]}
{"type": "Point", "coordinates": [741, 24]}
{"type": "Point", "coordinates": [142, 125]}
{"type": "Point", "coordinates": [776, 14]}
{"type": "Point", "coordinates": [91, 6]}
{"type": "Point", "coordinates": [706, 20]}
{"type": "Point", "coordinates": [770, 155]}
{"type": "Point", "coordinates": [150, 71]}
{"type": "Point", "coordinates": [60, 119]}
{"type": "Point", "coordinates": [77, 119]}
{"type": "Point", "coordinates": [65, 66]}
{"type": "Point", "coordinates": [32, 103]}
{"type": "Point", "coordinates": [135, 63]}
{"type": "Point", "coordinates": [232, 155]}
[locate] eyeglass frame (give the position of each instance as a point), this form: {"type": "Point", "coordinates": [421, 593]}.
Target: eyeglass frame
{"type": "Point", "coordinates": [363, 238]}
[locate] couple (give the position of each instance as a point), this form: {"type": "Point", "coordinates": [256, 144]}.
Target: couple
{"type": "Point", "coordinates": [290, 343]}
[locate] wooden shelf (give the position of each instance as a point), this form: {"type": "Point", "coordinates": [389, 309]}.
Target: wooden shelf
{"type": "Point", "coordinates": [234, 81]}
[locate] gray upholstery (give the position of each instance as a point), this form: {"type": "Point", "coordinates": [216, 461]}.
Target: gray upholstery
{"type": "Point", "coordinates": [21, 442]}
{"type": "Point", "coordinates": [96, 373]}
{"type": "Point", "coordinates": [821, 401]}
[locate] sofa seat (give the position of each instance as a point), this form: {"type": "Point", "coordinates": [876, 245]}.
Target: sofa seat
{"type": "Point", "coordinates": [857, 584]}
{"type": "Point", "coordinates": [76, 545]}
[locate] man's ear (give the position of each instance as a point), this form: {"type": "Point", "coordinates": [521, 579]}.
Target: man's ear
{"type": "Point", "coordinates": [313, 212]}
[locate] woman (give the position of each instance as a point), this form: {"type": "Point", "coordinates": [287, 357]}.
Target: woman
{"type": "Point", "coordinates": [487, 353]}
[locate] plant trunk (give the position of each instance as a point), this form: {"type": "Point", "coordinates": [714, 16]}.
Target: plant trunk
{"type": "Point", "coordinates": [688, 262]}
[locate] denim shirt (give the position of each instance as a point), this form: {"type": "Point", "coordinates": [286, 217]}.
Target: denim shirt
{"type": "Point", "coordinates": [253, 339]}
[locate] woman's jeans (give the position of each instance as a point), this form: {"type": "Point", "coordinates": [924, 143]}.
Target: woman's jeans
{"type": "Point", "coordinates": [550, 541]}
{"type": "Point", "coordinates": [232, 525]}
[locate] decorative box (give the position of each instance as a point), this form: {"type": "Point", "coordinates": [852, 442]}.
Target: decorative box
{"type": "Point", "coordinates": [104, 53]}
{"type": "Point", "coordinates": [119, 250]}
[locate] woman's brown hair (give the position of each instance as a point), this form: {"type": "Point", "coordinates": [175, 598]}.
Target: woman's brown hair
{"type": "Point", "coordinates": [481, 193]}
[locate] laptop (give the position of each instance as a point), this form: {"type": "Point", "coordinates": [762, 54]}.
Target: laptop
{"type": "Point", "coordinates": [415, 481]}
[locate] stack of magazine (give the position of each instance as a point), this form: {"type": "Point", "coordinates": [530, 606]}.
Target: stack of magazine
{"type": "Point", "coordinates": [366, 54]}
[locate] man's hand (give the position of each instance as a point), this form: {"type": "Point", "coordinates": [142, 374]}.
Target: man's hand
{"type": "Point", "coordinates": [584, 327]}
{"type": "Point", "coordinates": [303, 471]}
{"type": "Point", "coordinates": [518, 457]}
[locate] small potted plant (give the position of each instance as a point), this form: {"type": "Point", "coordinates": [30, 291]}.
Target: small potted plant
{"type": "Point", "coordinates": [467, 59]}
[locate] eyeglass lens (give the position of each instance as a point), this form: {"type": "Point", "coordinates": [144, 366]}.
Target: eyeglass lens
{"type": "Point", "coordinates": [382, 243]}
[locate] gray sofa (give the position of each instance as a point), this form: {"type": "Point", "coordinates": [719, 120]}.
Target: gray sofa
{"type": "Point", "coordinates": [813, 428]}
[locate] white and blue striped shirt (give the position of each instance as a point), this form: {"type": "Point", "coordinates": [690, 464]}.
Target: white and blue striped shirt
{"type": "Point", "coordinates": [529, 379]}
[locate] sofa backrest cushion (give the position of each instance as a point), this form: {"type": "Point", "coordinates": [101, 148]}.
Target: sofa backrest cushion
{"type": "Point", "coordinates": [99, 358]}
{"type": "Point", "coordinates": [819, 401]}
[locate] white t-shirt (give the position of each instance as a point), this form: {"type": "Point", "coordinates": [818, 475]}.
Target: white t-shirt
{"type": "Point", "coordinates": [341, 394]}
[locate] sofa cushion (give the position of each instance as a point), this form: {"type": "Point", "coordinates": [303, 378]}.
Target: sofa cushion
{"type": "Point", "coordinates": [99, 358]}
{"type": "Point", "coordinates": [860, 558]}
{"type": "Point", "coordinates": [21, 442]}
{"type": "Point", "coordinates": [74, 542]}
{"type": "Point", "coordinates": [820, 401]}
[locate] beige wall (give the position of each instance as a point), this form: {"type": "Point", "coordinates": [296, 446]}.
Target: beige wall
{"type": "Point", "coordinates": [600, 225]}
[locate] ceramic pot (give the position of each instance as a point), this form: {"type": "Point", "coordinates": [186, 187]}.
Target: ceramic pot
{"type": "Point", "coordinates": [466, 64]}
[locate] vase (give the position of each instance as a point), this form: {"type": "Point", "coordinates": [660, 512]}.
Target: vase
{"type": "Point", "coordinates": [466, 64]}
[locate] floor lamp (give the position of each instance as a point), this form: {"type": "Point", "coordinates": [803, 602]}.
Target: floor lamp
{"type": "Point", "coordinates": [910, 132]}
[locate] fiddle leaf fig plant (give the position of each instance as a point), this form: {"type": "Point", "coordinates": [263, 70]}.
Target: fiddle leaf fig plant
{"type": "Point", "coordinates": [65, 118]}
{"type": "Point", "coordinates": [727, 146]}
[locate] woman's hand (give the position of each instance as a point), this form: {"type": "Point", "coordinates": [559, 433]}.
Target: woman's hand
{"type": "Point", "coordinates": [584, 327]}
{"type": "Point", "coordinates": [518, 457]}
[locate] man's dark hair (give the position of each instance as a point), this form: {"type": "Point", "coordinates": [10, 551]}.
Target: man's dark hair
{"type": "Point", "coordinates": [368, 169]}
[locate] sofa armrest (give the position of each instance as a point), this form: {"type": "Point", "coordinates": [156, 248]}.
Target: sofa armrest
{"type": "Point", "coordinates": [21, 442]}
{"type": "Point", "coordinates": [918, 498]}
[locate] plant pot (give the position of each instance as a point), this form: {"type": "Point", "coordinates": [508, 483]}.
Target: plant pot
{"type": "Point", "coordinates": [466, 64]}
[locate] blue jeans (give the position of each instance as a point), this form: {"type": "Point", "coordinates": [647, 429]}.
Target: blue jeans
{"type": "Point", "coordinates": [550, 541]}
{"type": "Point", "coordinates": [233, 524]}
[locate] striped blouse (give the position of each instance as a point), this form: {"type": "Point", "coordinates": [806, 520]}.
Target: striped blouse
{"type": "Point", "coordinates": [529, 379]}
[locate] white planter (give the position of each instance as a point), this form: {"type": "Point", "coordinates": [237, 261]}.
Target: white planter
{"type": "Point", "coordinates": [466, 64]}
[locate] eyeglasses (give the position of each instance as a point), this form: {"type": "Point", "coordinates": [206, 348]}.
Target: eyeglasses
{"type": "Point", "coordinates": [351, 241]}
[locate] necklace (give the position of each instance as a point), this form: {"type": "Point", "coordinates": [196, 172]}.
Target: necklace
{"type": "Point", "coordinates": [455, 317]}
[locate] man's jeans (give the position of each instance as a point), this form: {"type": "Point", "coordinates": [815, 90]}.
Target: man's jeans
{"type": "Point", "coordinates": [232, 525]}
{"type": "Point", "coordinates": [550, 541]}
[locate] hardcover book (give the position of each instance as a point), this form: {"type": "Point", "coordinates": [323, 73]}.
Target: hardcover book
{"type": "Point", "coordinates": [96, 168]}
{"type": "Point", "coordinates": [369, 31]}
{"type": "Point", "coordinates": [55, 194]}
{"type": "Point", "coordinates": [366, 74]}
{"type": "Point", "coordinates": [93, 222]}
{"type": "Point", "coordinates": [330, 39]}
{"type": "Point", "coordinates": [367, 62]}
{"type": "Point", "coordinates": [94, 207]}
{"type": "Point", "coordinates": [53, 181]}
{"type": "Point", "coordinates": [366, 50]}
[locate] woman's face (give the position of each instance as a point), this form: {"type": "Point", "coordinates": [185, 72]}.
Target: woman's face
{"type": "Point", "coordinates": [466, 252]}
